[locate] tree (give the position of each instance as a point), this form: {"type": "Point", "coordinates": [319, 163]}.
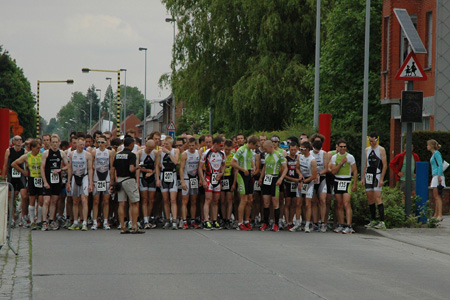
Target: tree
{"type": "Point", "coordinates": [16, 94]}
{"type": "Point", "coordinates": [246, 59]}
{"type": "Point", "coordinates": [135, 102]}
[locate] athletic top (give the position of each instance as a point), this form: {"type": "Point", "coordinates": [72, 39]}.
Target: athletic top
{"type": "Point", "coordinates": [79, 163]}
{"type": "Point", "coordinates": [213, 160]}
{"type": "Point", "coordinates": [228, 167]}
{"type": "Point", "coordinates": [101, 165]}
{"type": "Point", "coordinates": [244, 157]}
{"type": "Point", "coordinates": [374, 162]}
{"type": "Point", "coordinates": [305, 165]}
{"type": "Point", "coordinates": [34, 164]}
{"type": "Point", "coordinates": [13, 155]}
{"type": "Point", "coordinates": [319, 160]}
{"type": "Point", "coordinates": [346, 170]}
{"type": "Point", "coordinates": [148, 161]}
{"type": "Point", "coordinates": [292, 164]}
{"type": "Point", "coordinates": [166, 162]}
{"type": "Point", "coordinates": [52, 162]}
{"type": "Point", "coordinates": [273, 163]}
{"type": "Point", "coordinates": [191, 165]}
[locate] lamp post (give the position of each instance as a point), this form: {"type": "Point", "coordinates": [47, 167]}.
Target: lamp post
{"type": "Point", "coordinates": [38, 118]}
{"type": "Point", "coordinates": [99, 109]}
{"type": "Point", "coordinates": [87, 70]}
{"type": "Point", "coordinates": [90, 113]}
{"type": "Point", "coordinates": [110, 103]}
{"type": "Point", "coordinates": [85, 115]}
{"type": "Point", "coordinates": [173, 20]}
{"type": "Point", "coordinates": [145, 93]}
{"type": "Point", "coordinates": [125, 99]}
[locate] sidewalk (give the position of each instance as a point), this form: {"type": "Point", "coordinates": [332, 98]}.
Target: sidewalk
{"type": "Point", "coordinates": [435, 239]}
{"type": "Point", "coordinates": [15, 270]}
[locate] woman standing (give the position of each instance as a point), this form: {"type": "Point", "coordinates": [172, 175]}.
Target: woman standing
{"type": "Point", "coordinates": [438, 179]}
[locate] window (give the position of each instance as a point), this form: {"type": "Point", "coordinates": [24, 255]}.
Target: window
{"type": "Point", "coordinates": [404, 45]}
{"type": "Point", "coordinates": [429, 39]}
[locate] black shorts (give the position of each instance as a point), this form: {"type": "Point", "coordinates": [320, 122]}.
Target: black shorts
{"type": "Point", "coordinates": [18, 183]}
{"type": "Point", "coordinates": [33, 190]}
{"type": "Point", "coordinates": [245, 183]}
{"type": "Point", "coordinates": [54, 190]}
{"type": "Point", "coordinates": [330, 182]}
{"type": "Point", "coordinates": [290, 189]}
{"type": "Point", "coordinates": [226, 183]}
{"type": "Point", "coordinates": [341, 185]}
{"type": "Point", "coordinates": [271, 189]}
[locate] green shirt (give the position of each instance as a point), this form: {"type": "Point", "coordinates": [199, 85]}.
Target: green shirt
{"type": "Point", "coordinates": [273, 163]}
{"type": "Point", "coordinates": [244, 157]}
{"type": "Point", "coordinates": [413, 166]}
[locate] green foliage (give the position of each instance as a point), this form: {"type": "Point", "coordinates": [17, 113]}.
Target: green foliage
{"type": "Point", "coordinates": [16, 94]}
{"type": "Point", "coordinates": [193, 123]}
{"type": "Point", "coordinates": [135, 102]}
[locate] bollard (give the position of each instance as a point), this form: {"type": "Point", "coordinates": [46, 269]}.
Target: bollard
{"type": "Point", "coordinates": [422, 188]}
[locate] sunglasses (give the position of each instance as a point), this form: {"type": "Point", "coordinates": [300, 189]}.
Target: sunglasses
{"type": "Point", "coordinates": [178, 145]}
{"type": "Point", "coordinates": [101, 142]}
{"type": "Point", "coordinates": [275, 141]}
{"type": "Point", "coordinates": [301, 148]}
{"type": "Point", "coordinates": [342, 146]}
{"type": "Point", "coordinates": [17, 139]}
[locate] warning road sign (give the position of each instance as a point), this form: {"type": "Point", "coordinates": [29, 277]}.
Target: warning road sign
{"type": "Point", "coordinates": [411, 70]}
{"type": "Point", "coordinates": [171, 126]}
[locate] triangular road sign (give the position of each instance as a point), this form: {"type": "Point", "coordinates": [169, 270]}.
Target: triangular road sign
{"type": "Point", "coordinates": [171, 126]}
{"type": "Point", "coordinates": [411, 70]}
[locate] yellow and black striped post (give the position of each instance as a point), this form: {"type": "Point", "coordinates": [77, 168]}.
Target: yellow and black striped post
{"type": "Point", "coordinates": [38, 119]}
{"type": "Point", "coordinates": [118, 105]}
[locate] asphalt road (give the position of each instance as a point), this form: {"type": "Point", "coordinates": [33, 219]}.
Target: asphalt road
{"type": "Point", "coordinates": [198, 264]}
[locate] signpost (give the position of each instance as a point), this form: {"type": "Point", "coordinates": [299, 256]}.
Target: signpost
{"type": "Point", "coordinates": [171, 129]}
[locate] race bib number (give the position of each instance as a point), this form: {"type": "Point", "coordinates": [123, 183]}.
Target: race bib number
{"type": "Point", "coordinates": [15, 173]}
{"type": "Point", "coordinates": [54, 178]}
{"type": "Point", "coordinates": [268, 180]}
{"type": "Point", "coordinates": [38, 182]}
{"type": "Point", "coordinates": [225, 184]}
{"type": "Point", "coordinates": [305, 188]}
{"type": "Point", "coordinates": [101, 186]}
{"type": "Point", "coordinates": [256, 187]}
{"type": "Point", "coordinates": [294, 187]}
{"type": "Point", "coordinates": [369, 178]}
{"type": "Point", "coordinates": [64, 179]}
{"type": "Point", "coordinates": [168, 177]}
{"type": "Point", "coordinates": [179, 183]}
{"type": "Point", "coordinates": [342, 186]}
{"type": "Point", "coordinates": [194, 183]}
{"type": "Point", "coordinates": [214, 179]}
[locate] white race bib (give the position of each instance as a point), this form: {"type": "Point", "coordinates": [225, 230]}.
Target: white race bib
{"type": "Point", "coordinates": [194, 183]}
{"type": "Point", "coordinates": [54, 178]}
{"type": "Point", "coordinates": [168, 177]}
{"type": "Point", "coordinates": [214, 179]}
{"type": "Point", "coordinates": [305, 188]}
{"type": "Point", "coordinates": [294, 187]}
{"type": "Point", "coordinates": [225, 184]}
{"type": "Point", "coordinates": [101, 186]}
{"type": "Point", "coordinates": [369, 178]}
{"type": "Point", "coordinates": [15, 173]}
{"type": "Point", "coordinates": [342, 185]}
{"type": "Point", "coordinates": [38, 182]}
{"type": "Point", "coordinates": [256, 187]}
{"type": "Point", "coordinates": [268, 179]}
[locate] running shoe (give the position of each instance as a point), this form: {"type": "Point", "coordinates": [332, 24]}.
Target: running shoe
{"type": "Point", "coordinates": [185, 225]}
{"type": "Point", "coordinates": [372, 224]}
{"type": "Point", "coordinates": [54, 226]}
{"type": "Point", "coordinates": [94, 227]}
{"type": "Point", "coordinates": [181, 224]}
{"type": "Point", "coordinates": [275, 228]}
{"type": "Point", "coordinates": [166, 225]}
{"type": "Point", "coordinates": [347, 230]}
{"type": "Point", "coordinates": [242, 227]}
{"type": "Point", "coordinates": [264, 227]}
{"type": "Point", "coordinates": [323, 228]}
{"type": "Point", "coordinates": [74, 227]}
{"type": "Point", "coordinates": [307, 229]}
{"type": "Point", "coordinates": [316, 228]}
{"type": "Point", "coordinates": [106, 226]}
{"type": "Point", "coordinates": [174, 226]}
{"type": "Point", "coordinates": [84, 228]}
{"type": "Point", "coordinates": [207, 225]}
{"type": "Point", "coordinates": [381, 226]}
{"type": "Point", "coordinates": [194, 225]}
{"type": "Point", "coordinates": [216, 225]}
{"type": "Point", "coordinates": [339, 229]}
{"type": "Point", "coordinates": [289, 226]}
{"type": "Point", "coordinates": [248, 226]}
{"type": "Point", "coordinates": [44, 226]}
{"type": "Point", "coordinates": [147, 225]}
{"type": "Point", "coordinates": [296, 227]}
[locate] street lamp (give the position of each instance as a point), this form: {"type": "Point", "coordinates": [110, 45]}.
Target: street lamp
{"type": "Point", "coordinates": [99, 108]}
{"type": "Point", "coordinates": [87, 70]}
{"type": "Point", "coordinates": [145, 93]}
{"type": "Point", "coordinates": [173, 20]}
{"type": "Point", "coordinates": [38, 118]}
{"type": "Point", "coordinates": [125, 99]}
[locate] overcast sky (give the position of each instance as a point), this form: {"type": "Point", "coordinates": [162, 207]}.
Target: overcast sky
{"type": "Point", "coordinates": [54, 40]}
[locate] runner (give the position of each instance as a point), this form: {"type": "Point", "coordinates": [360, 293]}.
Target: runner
{"type": "Point", "coordinates": [124, 173]}
{"type": "Point", "coordinates": [320, 184]}
{"type": "Point", "coordinates": [46, 139]}
{"type": "Point", "coordinates": [17, 179]}
{"type": "Point", "coordinates": [228, 185]}
{"type": "Point", "coordinates": [373, 180]}
{"type": "Point", "coordinates": [54, 161]}
{"type": "Point", "coordinates": [308, 168]}
{"type": "Point", "coordinates": [103, 160]}
{"type": "Point", "coordinates": [214, 161]}
{"type": "Point", "coordinates": [343, 165]}
{"type": "Point", "coordinates": [244, 164]}
{"type": "Point", "coordinates": [35, 184]}
{"type": "Point", "coordinates": [291, 183]}
{"type": "Point", "coordinates": [166, 179]}
{"type": "Point", "coordinates": [147, 159]}
{"type": "Point", "coordinates": [270, 182]}
{"type": "Point", "coordinates": [80, 182]}
{"type": "Point", "coordinates": [189, 170]}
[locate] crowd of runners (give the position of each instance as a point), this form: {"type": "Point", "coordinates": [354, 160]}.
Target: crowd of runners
{"type": "Point", "coordinates": [255, 183]}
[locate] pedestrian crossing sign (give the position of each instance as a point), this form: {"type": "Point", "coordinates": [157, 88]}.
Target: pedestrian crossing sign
{"type": "Point", "coordinates": [171, 126]}
{"type": "Point", "coordinates": [411, 70]}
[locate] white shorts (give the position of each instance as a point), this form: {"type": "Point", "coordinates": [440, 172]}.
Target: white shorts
{"type": "Point", "coordinates": [101, 187]}
{"type": "Point", "coordinates": [321, 187]}
{"type": "Point", "coordinates": [80, 190]}
{"type": "Point", "coordinates": [308, 189]}
{"type": "Point", "coordinates": [192, 187]}
{"type": "Point", "coordinates": [435, 181]}
{"type": "Point", "coordinates": [170, 184]}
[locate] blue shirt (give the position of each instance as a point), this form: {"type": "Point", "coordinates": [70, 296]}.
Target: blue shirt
{"type": "Point", "coordinates": [436, 162]}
